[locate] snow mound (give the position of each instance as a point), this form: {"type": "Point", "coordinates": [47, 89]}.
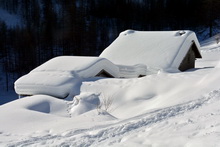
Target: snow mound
{"type": "Point", "coordinates": [41, 104]}
{"type": "Point", "coordinates": [84, 102]}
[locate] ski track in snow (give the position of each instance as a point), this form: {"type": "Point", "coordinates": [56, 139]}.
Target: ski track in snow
{"type": "Point", "coordinates": [97, 135]}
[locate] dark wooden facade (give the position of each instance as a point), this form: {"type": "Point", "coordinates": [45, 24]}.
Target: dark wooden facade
{"type": "Point", "coordinates": [189, 60]}
{"type": "Point", "coordinates": [104, 73]}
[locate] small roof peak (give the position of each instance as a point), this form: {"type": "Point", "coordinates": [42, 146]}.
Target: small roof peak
{"type": "Point", "coordinates": [127, 32]}
{"type": "Point", "coordinates": [181, 33]}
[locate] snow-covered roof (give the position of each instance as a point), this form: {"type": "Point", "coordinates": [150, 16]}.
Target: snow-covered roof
{"type": "Point", "coordinates": [156, 49]}
{"type": "Point", "coordinates": [78, 66]}
{"type": "Point", "coordinates": [60, 75]}
{"type": "Point", "coordinates": [132, 54]}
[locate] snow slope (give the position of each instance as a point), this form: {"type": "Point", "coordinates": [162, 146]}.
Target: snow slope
{"type": "Point", "coordinates": [164, 109]}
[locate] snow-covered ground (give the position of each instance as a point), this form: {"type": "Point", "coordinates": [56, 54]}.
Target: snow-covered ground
{"type": "Point", "coordinates": [163, 109]}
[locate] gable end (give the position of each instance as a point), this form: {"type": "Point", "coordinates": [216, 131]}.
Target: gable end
{"type": "Point", "coordinates": [103, 73]}
{"type": "Point", "coordinates": [188, 61]}
{"type": "Point", "coordinates": [196, 50]}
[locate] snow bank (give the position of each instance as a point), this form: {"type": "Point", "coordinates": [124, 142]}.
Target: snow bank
{"type": "Point", "coordinates": [42, 114]}
{"type": "Point", "coordinates": [32, 110]}
{"type": "Point", "coordinates": [84, 102]}
{"type": "Point", "coordinates": [158, 49]}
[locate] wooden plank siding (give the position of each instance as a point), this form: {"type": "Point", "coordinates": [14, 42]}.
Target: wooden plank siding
{"type": "Point", "coordinates": [189, 60]}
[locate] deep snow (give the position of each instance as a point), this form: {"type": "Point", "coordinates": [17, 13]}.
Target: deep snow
{"type": "Point", "coordinates": [163, 109]}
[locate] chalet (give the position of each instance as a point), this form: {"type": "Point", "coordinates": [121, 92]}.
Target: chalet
{"type": "Point", "coordinates": [158, 50]}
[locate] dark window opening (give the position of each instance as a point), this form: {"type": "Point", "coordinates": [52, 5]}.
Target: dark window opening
{"type": "Point", "coordinates": [103, 73]}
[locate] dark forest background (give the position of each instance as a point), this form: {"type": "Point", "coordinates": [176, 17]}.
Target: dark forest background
{"type": "Point", "coordinates": [86, 27]}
